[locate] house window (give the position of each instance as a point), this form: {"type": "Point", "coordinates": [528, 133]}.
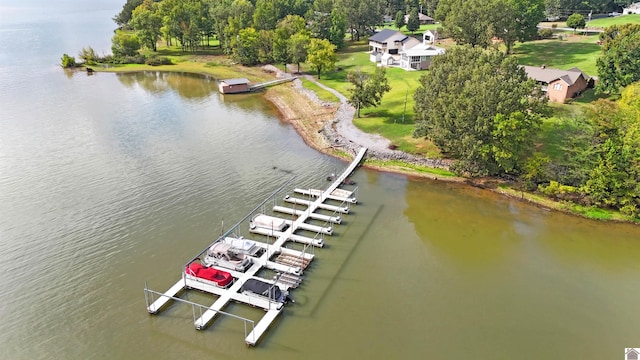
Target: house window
{"type": "Point", "coordinates": [557, 86]}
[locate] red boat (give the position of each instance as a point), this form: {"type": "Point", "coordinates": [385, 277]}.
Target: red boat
{"type": "Point", "coordinates": [220, 278]}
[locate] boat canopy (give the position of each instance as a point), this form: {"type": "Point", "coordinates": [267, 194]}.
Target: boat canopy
{"type": "Point", "coordinates": [262, 288]}
{"type": "Point", "coordinates": [268, 222]}
{"type": "Point", "coordinates": [242, 244]}
{"type": "Point", "coordinates": [219, 248]}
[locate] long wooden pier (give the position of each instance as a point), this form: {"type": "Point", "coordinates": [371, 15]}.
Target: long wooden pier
{"type": "Point", "coordinates": [270, 83]}
{"type": "Point", "coordinates": [288, 264]}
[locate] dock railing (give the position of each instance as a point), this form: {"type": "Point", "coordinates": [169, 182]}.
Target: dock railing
{"type": "Point", "coordinates": [197, 309]}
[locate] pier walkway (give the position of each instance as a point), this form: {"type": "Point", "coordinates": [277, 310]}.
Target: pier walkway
{"type": "Point", "coordinates": [288, 265]}
{"type": "Point", "coordinates": [270, 83]}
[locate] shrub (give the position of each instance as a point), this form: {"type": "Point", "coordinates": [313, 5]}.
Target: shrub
{"type": "Point", "coordinates": [68, 61]}
{"type": "Point", "coordinates": [88, 55]}
{"type": "Point", "coordinates": [135, 59]}
{"type": "Point", "coordinates": [554, 26]}
{"type": "Point", "coordinates": [158, 60]}
{"type": "Point", "coordinates": [545, 33]}
{"type": "Point", "coordinates": [630, 210]}
{"type": "Point", "coordinates": [559, 191]}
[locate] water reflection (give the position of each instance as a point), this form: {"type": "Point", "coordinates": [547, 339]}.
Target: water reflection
{"type": "Point", "coordinates": [188, 86]}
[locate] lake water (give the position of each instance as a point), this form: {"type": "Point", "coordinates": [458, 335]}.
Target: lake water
{"type": "Point", "coordinates": [108, 181]}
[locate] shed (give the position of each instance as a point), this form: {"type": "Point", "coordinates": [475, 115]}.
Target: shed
{"type": "Point", "coordinates": [232, 86]}
{"type": "Point", "coordinates": [387, 59]}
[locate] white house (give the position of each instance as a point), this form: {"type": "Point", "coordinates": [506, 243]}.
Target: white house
{"type": "Point", "coordinates": [393, 48]}
{"type": "Point", "coordinates": [419, 57]}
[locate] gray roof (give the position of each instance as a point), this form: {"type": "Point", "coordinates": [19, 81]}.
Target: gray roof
{"type": "Point", "coordinates": [238, 81]}
{"type": "Point", "coordinates": [547, 75]}
{"type": "Point", "coordinates": [388, 35]}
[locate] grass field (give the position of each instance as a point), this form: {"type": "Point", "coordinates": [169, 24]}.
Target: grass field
{"type": "Point", "coordinates": [616, 20]}
{"type": "Point", "coordinates": [573, 51]}
{"type": "Point", "coordinates": [322, 94]}
{"type": "Point", "coordinates": [422, 28]}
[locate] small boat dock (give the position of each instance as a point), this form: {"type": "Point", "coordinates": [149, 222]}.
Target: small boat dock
{"type": "Point", "coordinates": [269, 256]}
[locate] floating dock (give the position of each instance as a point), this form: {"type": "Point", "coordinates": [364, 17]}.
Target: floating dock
{"type": "Point", "coordinates": [288, 264]}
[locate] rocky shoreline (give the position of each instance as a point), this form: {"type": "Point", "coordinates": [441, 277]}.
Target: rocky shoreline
{"type": "Point", "coordinates": [341, 134]}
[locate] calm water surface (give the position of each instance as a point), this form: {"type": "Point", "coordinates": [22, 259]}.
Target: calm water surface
{"type": "Point", "coordinates": [108, 181]}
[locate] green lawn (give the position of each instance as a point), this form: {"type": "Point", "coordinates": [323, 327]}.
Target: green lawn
{"type": "Point", "coordinates": [322, 94]}
{"type": "Point", "coordinates": [573, 51]}
{"type": "Point", "coordinates": [386, 120]}
{"type": "Point", "coordinates": [617, 20]}
{"type": "Point", "coordinates": [422, 28]}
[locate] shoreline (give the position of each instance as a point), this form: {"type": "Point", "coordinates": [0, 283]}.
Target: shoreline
{"type": "Point", "coordinates": [328, 128]}
{"type": "Point", "coordinates": [332, 132]}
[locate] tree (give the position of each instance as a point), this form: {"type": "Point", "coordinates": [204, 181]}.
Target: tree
{"type": "Point", "coordinates": [529, 13]}
{"type": "Point", "coordinates": [338, 27]}
{"type": "Point", "coordinates": [265, 15]}
{"type": "Point", "coordinates": [615, 179]}
{"type": "Point", "coordinates": [281, 54]}
{"type": "Point", "coordinates": [245, 46]}
{"type": "Point", "coordinates": [367, 90]}
{"type": "Point", "coordinates": [362, 16]}
{"type": "Point", "coordinates": [321, 55]}
{"type": "Point", "coordinates": [286, 28]}
{"type": "Point", "coordinates": [124, 44]}
{"type": "Point", "coordinates": [229, 16]}
{"type": "Point", "coordinates": [88, 55]}
{"type": "Point", "coordinates": [476, 106]}
{"type": "Point", "coordinates": [467, 21]}
{"type": "Point", "coordinates": [576, 21]}
{"type": "Point", "coordinates": [265, 46]}
{"type": "Point", "coordinates": [618, 66]}
{"type": "Point", "coordinates": [298, 45]}
{"type": "Point", "coordinates": [517, 20]}
{"type": "Point", "coordinates": [147, 23]}
{"type": "Point", "coordinates": [413, 23]}
{"type": "Point", "coordinates": [399, 20]}
{"type": "Point", "coordinates": [123, 17]}
{"type": "Point", "coordinates": [476, 22]}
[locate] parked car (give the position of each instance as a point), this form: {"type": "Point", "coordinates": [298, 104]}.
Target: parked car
{"type": "Point", "coordinates": [615, 13]}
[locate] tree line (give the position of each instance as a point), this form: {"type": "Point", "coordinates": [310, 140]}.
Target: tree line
{"type": "Point", "coordinates": [479, 107]}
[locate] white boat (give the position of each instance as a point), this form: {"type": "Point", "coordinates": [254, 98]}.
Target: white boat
{"type": "Point", "coordinates": [268, 222]}
{"type": "Point", "coordinates": [224, 255]}
{"type": "Point", "coordinates": [244, 246]}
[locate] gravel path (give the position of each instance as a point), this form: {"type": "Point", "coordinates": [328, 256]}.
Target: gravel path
{"type": "Point", "coordinates": [343, 134]}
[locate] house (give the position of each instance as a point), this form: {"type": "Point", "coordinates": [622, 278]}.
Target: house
{"type": "Point", "coordinates": [386, 41]}
{"type": "Point", "coordinates": [632, 9]}
{"type": "Point", "coordinates": [631, 354]}
{"type": "Point", "coordinates": [422, 18]}
{"type": "Point", "coordinates": [232, 86]}
{"type": "Point", "coordinates": [393, 48]}
{"type": "Point", "coordinates": [419, 57]}
{"type": "Point", "coordinates": [559, 85]}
